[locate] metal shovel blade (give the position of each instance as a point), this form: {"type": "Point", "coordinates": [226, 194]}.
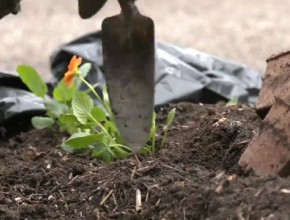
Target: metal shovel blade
{"type": "Point", "coordinates": [129, 68]}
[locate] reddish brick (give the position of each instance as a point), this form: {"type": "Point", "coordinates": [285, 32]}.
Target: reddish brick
{"type": "Point", "coordinates": [269, 151]}
{"type": "Point", "coordinates": [276, 82]}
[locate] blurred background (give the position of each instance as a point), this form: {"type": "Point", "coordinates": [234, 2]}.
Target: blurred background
{"type": "Point", "coordinates": [246, 31]}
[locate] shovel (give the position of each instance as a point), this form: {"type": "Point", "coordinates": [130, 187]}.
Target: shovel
{"type": "Point", "coordinates": [129, 68]}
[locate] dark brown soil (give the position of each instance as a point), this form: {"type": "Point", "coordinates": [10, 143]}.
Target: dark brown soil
{"type": "Point", "coordinates": [195, 176]}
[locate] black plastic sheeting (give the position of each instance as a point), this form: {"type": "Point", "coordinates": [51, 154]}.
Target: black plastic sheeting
{"type": "Point", "coordinates": [182, 74]}
{"type": "Point", "coordinates": [17, 105]}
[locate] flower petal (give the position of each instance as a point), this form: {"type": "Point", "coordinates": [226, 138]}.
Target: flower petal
{"type": "Point", "coordinates": [74, 63]}
{"type": "Point", "coordinates": [78, 62]}
{"type": "Point", "coordinates": [68, 78]}
{"type": "Point", "coordinates": [71, 66]}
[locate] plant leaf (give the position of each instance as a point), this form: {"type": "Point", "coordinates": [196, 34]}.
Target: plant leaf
{"type": "Point", "coordinates": [233, 102]}
{"type": "Point", "coordinates": [55, 108]}
{"type": "Point", "coordinates": [169, 121]}
{"type": "Point", "coordinates": [83, 139]}
{"type": "Point", "coordinates": [85, 69]}
{"type": "Point", "coordinates": [106, 99]}
{"type": "Point", "coordinates": [69, 120]}
{"type": "Point", "coordinates": [153, 127]}
{"type": "Point", "coordinates": [170, 118]}
{"type": "Point", "coordinates": [82, 106]}
{"type": "Point", "coordinates": [98, 114]}
{"type": "Point", "coordinates": [120, 153]}
{"type": "Point", "coordinates": [71, 149]}
{"type": "Point", "coordinates": [42, 122]}
{"type": "Point", "coordinates": [102, 153]}
{"type": "Point", "coordinates": [31, 78]}
{"type": "Point", "coordinates": [152, 135]}
{"type": "Point", "coordinates": [63, 93]}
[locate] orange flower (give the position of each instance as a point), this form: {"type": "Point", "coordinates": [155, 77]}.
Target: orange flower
{"type": "Point", "coordinates": [72, 70]}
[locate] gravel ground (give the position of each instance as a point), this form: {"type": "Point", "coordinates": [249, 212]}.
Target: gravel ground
{"type": "Point", "coordinates": [246, 31]}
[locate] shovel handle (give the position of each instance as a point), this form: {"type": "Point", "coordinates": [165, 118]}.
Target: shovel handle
{"type": "Point", "coordinates": [128, 10]}
{"type": "Point", "coordinates": [128, 7]}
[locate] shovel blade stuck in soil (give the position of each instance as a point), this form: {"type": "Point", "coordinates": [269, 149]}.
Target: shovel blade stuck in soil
{"type": "Point", "coordinates": [129, 68]}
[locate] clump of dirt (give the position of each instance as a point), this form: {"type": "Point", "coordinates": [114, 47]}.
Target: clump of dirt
{"type": "Point", "coordinates": [195, 176]}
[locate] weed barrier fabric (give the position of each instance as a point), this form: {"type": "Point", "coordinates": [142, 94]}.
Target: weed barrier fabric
{"type": "Point", "coordinates": [17, 105]}
{"type": "Point", "coordinates": [182, 74]}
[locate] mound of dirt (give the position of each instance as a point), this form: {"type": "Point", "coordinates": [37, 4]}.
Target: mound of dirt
{"type": "Point", "coordinates": [195, 176]}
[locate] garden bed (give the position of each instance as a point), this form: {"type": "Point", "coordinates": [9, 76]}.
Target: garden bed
{"type": "Point", "coordinates": [195, 176]}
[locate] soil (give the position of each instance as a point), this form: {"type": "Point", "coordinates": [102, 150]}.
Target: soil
{"type": "Point", "coordinates": [195, 176]}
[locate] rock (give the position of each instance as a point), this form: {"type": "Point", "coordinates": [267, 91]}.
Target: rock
{"type": "Point", "coordinates": [269, 151]}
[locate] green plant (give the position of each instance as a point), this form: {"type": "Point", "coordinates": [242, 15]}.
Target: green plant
{"type": "Point", "coordinates": [71, 110]}
{"type": "Point", "coordinates": [233, 102]}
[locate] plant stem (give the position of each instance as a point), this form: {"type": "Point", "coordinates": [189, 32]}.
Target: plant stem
{"type": "Point", "coordinates": [153, 142]}
{"type": "Point", "coordinates": [95, 93]}
{"type": "Point", "coordinates": [164, 136]}
{"type": "Point", "coordinates": [101, 126]}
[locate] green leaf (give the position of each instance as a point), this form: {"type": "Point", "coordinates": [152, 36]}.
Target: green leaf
{"type": "Point", "coordinates": [120, 153]}
{"type": "Point", "coordinates": [113, 131]}
{"type": "Point", "coordinates": [233, 102]}
{"type": "Point", "coordinates": [69, 120]}
{"type": "Point", "coordinates": [111, 127]}
{"type": "Point", "coordinates": [83, 139]}
{"type": "Point", "coordinates": [71, 149]}
{"type": "Point", "coordinates": [42, 122]}
{"type": "Point", "coordinates": [32, 80]}
{"type": "Point", "coordinates": [146, 150]}
{"type": "Point", "coordinates": [104, 140]}
{"type": "Point", "coordinates": [106, 100]}
{"type": "Point", "coordinates": [85, 69]}
{"type": "Point", "coordinates": [88, 125]}
{"type": "Point", "coordinates": [82, 106]}
{"type": "Point", "coordinates": [63, 93]}
{"type": "Point", "coordinates": [153, 127]}
{"type": "Point", "coordinates": [103, 153]}
{"type": "Point", "coordinates": [169, 121]}
{"type": "Point", "coordinates": [98, 114]}
{"type": "Point", "coordinates": [54, 108]}
{"type": "Point", "coordinates": [170, 118]}
{"type": "Point", "coordinates": [152, 135]}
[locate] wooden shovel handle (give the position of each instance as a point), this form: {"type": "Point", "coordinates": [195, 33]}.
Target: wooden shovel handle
{"type": "Point", "coordinates": [128, 6]}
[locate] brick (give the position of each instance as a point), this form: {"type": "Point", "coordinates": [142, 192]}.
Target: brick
{"type": "Point", "coordinates": [276, 82]}
{"type": "Point", "coordinates": [269, 151]}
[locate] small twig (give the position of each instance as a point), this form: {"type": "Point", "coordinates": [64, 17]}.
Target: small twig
{"type": "Point", "coordinates": [157, 203]}
{"type": "Point", "coordinates": [173, 168]}
{"type": "Point", "coordinates": [114, 199]}
{"type": "Point", "coordinates": [138, 200]}
{"type": "Point", "coordinates": [243, 142]}
{"type": "Point", "coordinates": [184, 213]}
{"type": "Point", "coordinates": [73, 179]}
{"type": "Point", "coordinates": [106, 197]}
{"type": "Point", "coordinates": [147, 196]}
{"type": "Point", "coordinates": [133, 172]}
{"type": "Point", "coordinates": [97, 213]}
{"type": "Point", "coordinates": [153, 186]}
{"type": "Point", "coordinates": [114, 210]}
{"type": "Point", "coordinates": [138, 161]}
{"type": "Point", "coordinates": [61, 194]}
{"type": "Point", "coordinates": [147, 169]}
